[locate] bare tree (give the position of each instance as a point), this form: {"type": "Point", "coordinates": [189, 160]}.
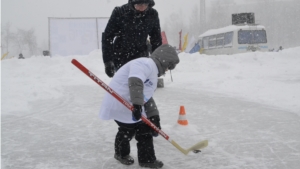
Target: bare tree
{"type": "Point", "coordinates": [6, 37]}
{"type": "Point", "coordinates": [30, 40]}
{"type": "Point", "coordinates": [18, 40]}
{"type": "Point", "coordinates": [25, 40]}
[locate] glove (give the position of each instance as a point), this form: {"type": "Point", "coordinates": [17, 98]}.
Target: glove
{"type": "Point", "coordinates": [155, 120]}
{"type": "Point", "coordinates": [136, 112]}
{"type": "Point", "coordinates": [109, 68]}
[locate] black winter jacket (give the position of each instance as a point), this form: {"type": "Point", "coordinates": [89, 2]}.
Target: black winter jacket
{"type": "Point", "coordinates": [126, 33]}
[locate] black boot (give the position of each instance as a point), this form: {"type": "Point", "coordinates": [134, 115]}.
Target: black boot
{"type": "Point", "coordinates": [127, 160]}
{"type": "Point", "coordinates": [155, 164]}
{"type": "Point", "coordinates": [122, 145]}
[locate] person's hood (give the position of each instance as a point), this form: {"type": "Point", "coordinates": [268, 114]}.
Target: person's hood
{"type": "Point", "coordinates": [131, 3]}
{"type": "Point", "coordinates": [164, 56]}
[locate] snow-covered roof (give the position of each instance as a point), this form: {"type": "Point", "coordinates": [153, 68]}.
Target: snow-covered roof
{"type": "Point", "coordinates": [229, 29]}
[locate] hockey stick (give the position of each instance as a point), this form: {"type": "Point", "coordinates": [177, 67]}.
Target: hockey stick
{"type": "Point", "coordinates": [200, 145]}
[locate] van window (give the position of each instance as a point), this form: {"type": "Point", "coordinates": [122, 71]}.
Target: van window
{"type": "Point", "coordinates": [260, 36]}
{"type": "Point", "coordinates": [228, 39]}
{"type": "Point", "coordinates": [220, 40]}
{"type": "Point", "coordinates": [252, 36]}
{"type": "Point", "coordinates": [212, 41]}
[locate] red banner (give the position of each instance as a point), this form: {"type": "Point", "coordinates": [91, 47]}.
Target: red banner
{"type": "Point", "coordinates": [164, 37]}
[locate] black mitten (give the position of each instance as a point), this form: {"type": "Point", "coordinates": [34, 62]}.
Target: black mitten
{"type": "Point", "coordinates": [109, 68]}
{"type": "Point", "coordinates": [136, 112]}
{"type": "Point", "coordinates": [155, 120]}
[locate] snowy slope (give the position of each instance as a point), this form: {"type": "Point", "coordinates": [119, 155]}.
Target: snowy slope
{"type": "Point", "coordinates": [246, 105]}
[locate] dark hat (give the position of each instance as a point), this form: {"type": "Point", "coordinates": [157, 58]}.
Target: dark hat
{"type": "Point", "coordinates": [150, 2]}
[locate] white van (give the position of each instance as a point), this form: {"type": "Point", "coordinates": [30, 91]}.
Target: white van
{"type": "Point", "coordinates": [234, 39]}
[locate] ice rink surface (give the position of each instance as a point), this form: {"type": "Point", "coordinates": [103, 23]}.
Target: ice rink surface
{"type": "Point", "coordinates": [246, 105]}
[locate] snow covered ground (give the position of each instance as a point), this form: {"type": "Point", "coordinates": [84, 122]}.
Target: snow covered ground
{"type": "Point", "coordinates": [246, 105]}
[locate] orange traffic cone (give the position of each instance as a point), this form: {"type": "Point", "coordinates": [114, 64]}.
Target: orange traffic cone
{"type": "Point", "coordinates": [182, 119]}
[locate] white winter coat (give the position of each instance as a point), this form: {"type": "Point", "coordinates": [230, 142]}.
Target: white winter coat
{"type": "Point", "coordinates": [143, 68]}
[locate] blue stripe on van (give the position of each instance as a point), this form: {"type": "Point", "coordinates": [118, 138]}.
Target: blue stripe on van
{"type": "Point", "coordinates": [245, 47]}
{"type": "Point", "coordinates": [242, 47]}
{"type": "Point", "coordinates": [264, 47]}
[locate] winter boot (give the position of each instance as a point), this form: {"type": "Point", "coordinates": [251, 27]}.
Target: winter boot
{"type": "Point", "coordinates": [127, 160]}
{"type": "Point", "coordinates": [155, 164]}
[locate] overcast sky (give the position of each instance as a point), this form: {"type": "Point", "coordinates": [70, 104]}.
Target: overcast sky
{"type": "Point", "coordinates": [27, 14]}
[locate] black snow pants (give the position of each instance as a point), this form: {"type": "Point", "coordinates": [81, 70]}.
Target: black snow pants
{"type": "Point", "coordinates": [143, 135]}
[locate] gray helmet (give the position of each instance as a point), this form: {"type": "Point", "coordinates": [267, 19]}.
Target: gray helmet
{"type": "Point", "coordinates": [165, 57]}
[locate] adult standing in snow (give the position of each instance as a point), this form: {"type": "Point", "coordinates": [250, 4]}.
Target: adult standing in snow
{"type": "Point", "coordinates": [136, 82]}
{"type": "Point", "coordinates": [126, 33]}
